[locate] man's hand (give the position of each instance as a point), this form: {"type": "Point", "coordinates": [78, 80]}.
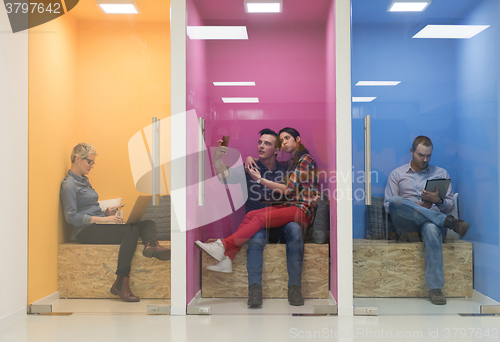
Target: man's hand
{"type": "Point", "coordinates": [220, 167]}
{"type": "Point", "coordinates": [425, 204]}
{"type": "Point", "coordinates": [219, 151]}
{"type": "Point", "coordinates": [433, 197]}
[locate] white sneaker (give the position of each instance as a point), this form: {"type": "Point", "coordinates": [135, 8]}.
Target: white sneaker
{"type": "Point", "coordinates": [214, 249]}
{"type": "Point", "coordinates": [224, 266]}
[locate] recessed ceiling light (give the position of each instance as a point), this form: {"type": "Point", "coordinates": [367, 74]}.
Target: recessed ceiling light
{"type": "Point", "coordinates": [118, 6]}
{"type": "Point", "coordinates": [263, 6]}
{"type": "Point", "coordinates": [217, 32]}
{"type": "Point", "coordinates": [378, 83]}
{"type": "Point", "coordinates": [363, 99]}
{"type": "Point", "coordinates": [450, 31]}
{"type": "Point", "coordinates": [118, 9]}
{"type": "Point", "coordinates": [240, 99]}
{"type": "Point", "coordinates": [220, 84]}
{"type": "Point", "coordinates": [408, 5]}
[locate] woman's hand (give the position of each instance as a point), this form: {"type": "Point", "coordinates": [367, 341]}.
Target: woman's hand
{"type": "Point", "coordinates": [116, 219]}
{"type": "Point", "coordinates": [113, 219]}
{"type": "Point", "coordinates": [315, 198]}
{"type": "Point", "coordinates": [250, 163]}
{"type": "Point", "coordinates": [254, 173]}
{"type": "Point", "coordinates": [111, 211]}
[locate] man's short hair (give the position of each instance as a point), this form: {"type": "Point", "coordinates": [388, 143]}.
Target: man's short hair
{"type": "Point", "coordinates": [268, 131]}
{"type": "Point", "coordinates": [273, 133]}
{"type": "Point", "coordinates": [421, 139]}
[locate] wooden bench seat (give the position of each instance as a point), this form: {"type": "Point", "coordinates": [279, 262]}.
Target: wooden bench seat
{"type": "Point", "coordinates": [88, 271]}
{"type": "Point", "coordinates": [315, 274]}
{"type": "Point", "coordinates": [390, 269]}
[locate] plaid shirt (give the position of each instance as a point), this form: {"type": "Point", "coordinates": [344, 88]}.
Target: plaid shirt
{"type": "Point", "coordinates": [303, 184]}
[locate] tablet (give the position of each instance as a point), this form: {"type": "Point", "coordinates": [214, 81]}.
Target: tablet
{"type": "Point", "coordinates": [443, 184]}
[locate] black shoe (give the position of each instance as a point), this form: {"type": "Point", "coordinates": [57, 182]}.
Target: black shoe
{"type": "Point", "coordinates": [295, 295]}
{"type": "Point", "coordinates": [458, 226]}
{"type": "Point", "coordinates": [255, 296]}
{"type": "Point", "coordinates": [437, 297]}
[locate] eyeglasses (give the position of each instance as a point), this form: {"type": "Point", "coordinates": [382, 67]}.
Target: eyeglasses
{"type": "Point", "coordinates": [91, 162]}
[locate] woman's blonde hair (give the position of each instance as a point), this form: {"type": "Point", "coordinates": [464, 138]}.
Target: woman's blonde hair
{"type": "Point", "coordinates": [82, 150]}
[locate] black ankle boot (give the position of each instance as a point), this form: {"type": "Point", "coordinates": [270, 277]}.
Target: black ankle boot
{"type": "Point", "coordinates": [255, 296]}
{"type": "Point", "coordinates": [295, 295]}
{"type": "Point", "coordinates": [121, 288]}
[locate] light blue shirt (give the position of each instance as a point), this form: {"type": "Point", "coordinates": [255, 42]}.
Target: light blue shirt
{"type": "Point", "coordinates": [407, 183]}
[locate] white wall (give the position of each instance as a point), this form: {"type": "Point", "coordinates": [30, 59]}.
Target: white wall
{"type": "Point", "coordinates": [13, 170]}
{"type": "Point", "coordinates": [178, 174]}
{"type": "Point", "coordinates": [344, 155]}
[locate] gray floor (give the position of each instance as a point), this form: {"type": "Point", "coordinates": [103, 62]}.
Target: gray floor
{"type": "Point", "coordinates": [422, 306]}
{"type": "Point", "coordinates": [400, 319]}
{"type": "Point", "coordinates": [275, 328]}
{"type": "Point", "coordinates": [238, 306]}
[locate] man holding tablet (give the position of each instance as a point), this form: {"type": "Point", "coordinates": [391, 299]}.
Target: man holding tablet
{"type": "Point", "coordinates": [414, 209]}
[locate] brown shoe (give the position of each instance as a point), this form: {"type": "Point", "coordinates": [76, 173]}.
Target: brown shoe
{"type": "Point", "coordinates": [121, 288]}
{"type": "Point", "coordinates": [437, 297]}
{"type": "Point", "coordinates": [154, 250]}
{"type": "Point", "coordinates": [458, 226]}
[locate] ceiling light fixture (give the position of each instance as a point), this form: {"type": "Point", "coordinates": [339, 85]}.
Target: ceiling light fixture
{"type": "Point", "coordinates": [240, 99]}
{"type": "Point", "coordinates": [263, 6]}
{"type": "Point", "coordinates": [229, 84]}
{"type": "Point", "coordinates": [363, 99]}
{"type": "Point", "coordinates": [450, 31]}
{"type": "Point", "coordinates": [408, 5]}
{"type": "Point", "coordinates": [118, 6]}
{"type": "Point", "coordinates": [378, 83]}
{"type": "Point", "coordinates": [217, 32]}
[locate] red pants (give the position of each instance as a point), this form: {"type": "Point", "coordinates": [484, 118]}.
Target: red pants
{"type": "Point", "coordinates": [255, 220]}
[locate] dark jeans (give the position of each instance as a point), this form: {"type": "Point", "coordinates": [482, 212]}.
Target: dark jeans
{"type": "Point", "coordinates": [291, 234]}
{"type": "Point", "coordinates": [125, 235]}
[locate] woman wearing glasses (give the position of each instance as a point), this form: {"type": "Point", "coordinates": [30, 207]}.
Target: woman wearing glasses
{"type": "Point", "coordinates": [91, 225]}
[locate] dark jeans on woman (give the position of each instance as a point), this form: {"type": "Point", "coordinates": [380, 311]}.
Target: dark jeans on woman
{"type": "Point", "coordinates": [126, 235]}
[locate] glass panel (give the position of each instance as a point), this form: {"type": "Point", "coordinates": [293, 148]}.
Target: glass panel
{"type": "Point", "coordinates": [282, 58]}
{"type": "Point", "coordinates": [98, 78]}
{"type": "Point", "coordinates": [445, 88]}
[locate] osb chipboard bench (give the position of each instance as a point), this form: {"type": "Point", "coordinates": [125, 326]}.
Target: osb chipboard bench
{"type": "Point", "coordinates": [88, 271]}
{"type": "Point", "coordinates": [315, 274]}
{"type": "Point", "coordinates": [392, 269]}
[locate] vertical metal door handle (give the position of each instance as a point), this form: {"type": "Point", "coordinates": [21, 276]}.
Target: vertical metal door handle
{"type": "Point", "coordinates": [156, 161]}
